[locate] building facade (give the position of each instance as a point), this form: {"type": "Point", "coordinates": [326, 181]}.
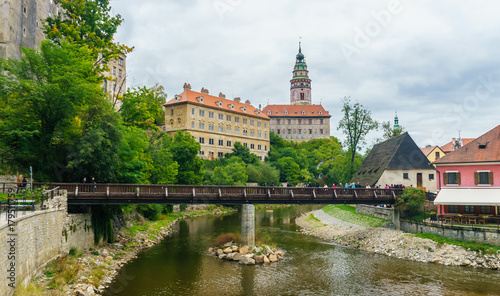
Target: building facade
{"type": "Point", "coordinates": [300, 120]}
{"type": "Point", "coordinates": [469, 178]}
{"type": "Point", "coordinates": [115, 80]}
{"type": "Point", "coordinates": [432, 153]}
{"type": "Point", "coordinates": [217, 123]}
{"type": "Point", "coordinates": [21, 25]}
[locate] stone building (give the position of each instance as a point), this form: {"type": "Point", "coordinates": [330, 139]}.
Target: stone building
{"type": "Point", "coordinates": [21, 24]}
{"type": "Point", "coordinates": [301, 120]}
{"type": "Point", "coordinates": [217, 123]}
{"type": "Point", "coordinates": [115, 80]}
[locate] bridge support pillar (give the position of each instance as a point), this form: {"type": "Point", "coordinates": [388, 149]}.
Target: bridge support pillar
{"type": "Point", "coordinates": [395, 219]}
{"type": "Point", "coordinates": [248, 225]}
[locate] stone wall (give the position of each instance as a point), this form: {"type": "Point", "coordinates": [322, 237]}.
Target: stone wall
{"type": "Point", "coordinates": [466, 233]}
{"type": "Point", "coordinates": [383, 213]}
{"type": "Point", "coordinates": [37, 237]}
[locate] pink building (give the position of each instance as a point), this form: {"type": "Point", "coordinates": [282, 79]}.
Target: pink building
{"type": "Point", "coordinates": [469, 178]}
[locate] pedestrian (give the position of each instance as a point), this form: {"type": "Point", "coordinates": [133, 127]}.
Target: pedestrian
{"type": "Point", "coordinates": [84, 180]}
{"type": "Point", "coordinates": [94, 183]}
{"type": "Point", "coordinates": [25, 182]}
{"type": "Point", "coordinates": [19, 183]}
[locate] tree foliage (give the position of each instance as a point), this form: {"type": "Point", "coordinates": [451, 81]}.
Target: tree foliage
{"type": "Point", "coordinates": [143, 107]}
{"type": "Point", "coordinates": [185, 153]}
{"type": "Point", "coordinates": [356, 123]}
{"type": "Point", "coordinates": [389, 132]}
{"type": "Point", "coordinates": [411, 201]}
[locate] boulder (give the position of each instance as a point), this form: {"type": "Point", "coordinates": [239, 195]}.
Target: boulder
{"type": "Point", "coordinates": [273, 258]}
{"type": "Point", "coordinates": [246, 260]}
{"type": "Point", "coordinates": [244, 250]}
{"type": "Point", "coordinates": [280, 253]}
{"type": "Point", "coordinates": [210, 250]}
{"type": "Point", "coordinates": [266, 260]}
{"type": "Point", "coordinates": [436, 260]}
{"type": "Point", "coordinates": [237, 257]}
{"type": "Point", "coordinates": [258, 258]}
{"type": "Point", "coordinates": [222, 256]}
{"type": "Point", "coordinates": [269, 251]}
{"type": "Point", "coordinates": [219, 252]}
{"type": "Point", "coordinates": [258, 250]}
{"type": "Point", "coordinates": [230, 256]}
{"type": "Point", "coordinates": [228, 250]}
{"type": "Point", "coordinates": [235, 248]}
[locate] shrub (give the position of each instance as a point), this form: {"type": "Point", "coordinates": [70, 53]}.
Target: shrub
{"type": "Point", "coordinates": [72, 251]}
{"type": "Point", "coordinates": [150, 212]}
{"type": "Point", "coordinates": [410, 202]}
{"type": "Point", "coordinates": [228, 237]}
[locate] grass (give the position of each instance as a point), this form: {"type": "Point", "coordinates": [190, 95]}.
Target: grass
{"type": "Point", "coordinates": [348, 214]}
{"type": "Point", "coordinates": [313, 221]}
{"type": "Point", "coordinates": [473, 246]}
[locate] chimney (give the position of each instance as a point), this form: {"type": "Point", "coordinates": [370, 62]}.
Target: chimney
{"type": "Point", "coordinates": [204, 90]}
{"type": "Point", "coordinates": [237, 99]}
{"type": "Point", "coordinates": [187, 86]}
{"type": "Point", "coordinates": [260, 107]}
{"type": "Point", "coordinates": [247, 102]}
{"type": "Point", "coordinates": [222, 96]}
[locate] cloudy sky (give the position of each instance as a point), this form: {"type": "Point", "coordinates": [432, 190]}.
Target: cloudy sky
{"type": "Point", "coordinates": [436, 62]}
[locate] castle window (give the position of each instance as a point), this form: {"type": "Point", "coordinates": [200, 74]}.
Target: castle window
{"type": "Point", "coordinates": [25, 8]}
{"type": "Point", "coordinates": [120, 61]}
{"type": "Point", "coordinates": [302, 96]}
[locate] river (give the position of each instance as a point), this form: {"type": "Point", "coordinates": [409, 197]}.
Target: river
{"type": "Point", "coordinates": [179, 265]}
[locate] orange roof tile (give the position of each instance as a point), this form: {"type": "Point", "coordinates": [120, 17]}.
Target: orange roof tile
{"type": "Point", "coordinates": [296, 111]}
{"type": "Point", "coordinates": [447, 147]}
{"type": "Point", "coordinates": [216, 102]}
{"type": "Point", "coordinates": [486, 148]}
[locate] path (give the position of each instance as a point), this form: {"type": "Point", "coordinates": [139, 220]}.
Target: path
{"type": "Point", "coordinates": [329, 220]}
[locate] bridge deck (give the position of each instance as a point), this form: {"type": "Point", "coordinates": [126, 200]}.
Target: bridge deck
{"type": "Point", "coordinates": [87, 194]}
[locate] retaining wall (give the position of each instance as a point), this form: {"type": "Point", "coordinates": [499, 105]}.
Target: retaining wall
{"type": "Point", "coordinates": [383, 213]}
{"type": "Point", "coordinates": [35, 238]}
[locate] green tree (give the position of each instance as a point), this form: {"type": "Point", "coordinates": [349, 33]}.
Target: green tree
{"type": "Point", "coordinates": [88, 24]}
{"type": "Point", "coordinates": [411, 201]}
{"type": "Point", "coordinates": [164, 169]}
{"type": "Point", "coordinates": [289, 169]}
{"type": "Point", "coordinates": [143, 107]}
{"type": "Point", "coordinates": [242, 153]}
{"type": "Point", "coordinates": [389, 132]}
{"type": "Point", "coordinates": [355, 124]}
{"type": "Point", "coordinates": [237, 170]}
{"type": "Point", "coordinates": [44, 95]}
{"type": "Point", "coordinates": [221, 177]}
{"type": "Point", "coordinates": [185, 152]}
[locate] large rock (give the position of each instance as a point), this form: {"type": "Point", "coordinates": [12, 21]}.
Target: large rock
{"type": "Point", "coordinates": [244, 250]}
{"type": "Point", "coordinates": [269, 251]}
{"type": "Point", "coordinates": [237, 257]}
{"type": "Point", "coordinates": [258, 250]}
{"type": "Point", "coordinates": [222, 256]}
{"type": "Point", "coordinates": [231, 256]}
{"type": "Point", "coordinates": [258, 258]}
{"type": "Point", "coordinates": [266, 260]}
{"type": "Point", "coordinates": [273, 258]}
{"type": "Point", "coordinates": [280, 253]}
{"type": "Point", "coordinates": [246, 260]}
{"type": "Point", "coordinates": [235, 248]}
{"type": "Point", "coordinates": [219, 252]}
{"type": "Point", "coordinates": [228, 250]}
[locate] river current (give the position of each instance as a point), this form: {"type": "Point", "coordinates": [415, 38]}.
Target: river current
{"type": "Point", "coordinates": [179, 265]}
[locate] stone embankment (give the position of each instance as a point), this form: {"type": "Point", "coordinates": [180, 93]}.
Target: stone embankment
{"type": "Point", "coordinates": [247, 255]}
{"type": "Point", "coordinates": [108, 259]}
{"type": "Point", "coordinates": [393, 243]}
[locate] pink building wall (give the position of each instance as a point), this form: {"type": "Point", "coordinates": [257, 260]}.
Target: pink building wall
{"type": "Point", "coordinates": [466, 176]}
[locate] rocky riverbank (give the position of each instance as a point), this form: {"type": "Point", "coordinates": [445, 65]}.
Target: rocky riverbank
{"type": "Point", "coordinates": [92, 272]}
{"type": "Point", "coordinates": [392, 243]}
{"type": "Point", "coordinates": [247, 255]}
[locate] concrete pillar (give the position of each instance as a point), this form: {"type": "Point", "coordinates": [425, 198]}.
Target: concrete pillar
{"type": "Point", "coordinates": [395, 219]}
{"type": "Point", "coordinates": [248, 225]}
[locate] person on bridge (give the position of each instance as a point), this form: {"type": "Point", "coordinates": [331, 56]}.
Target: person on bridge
{"type": "Point", "coordinates": [93, 182]}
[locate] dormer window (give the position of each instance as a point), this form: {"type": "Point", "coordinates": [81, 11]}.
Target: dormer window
{"type": "Point", "coordinates": [231, 106]}
{"type": "Point", "coordinates": [482, 147]}
{"type": "Point", "coordinates": [269, 112]}
{"type": "Point", "coordinates": [219, 103]}
{"type": "Point", "coordinates": [257, 112]}
{"type": "Point", "coordinates": [303, 112]}
{"type": "Point", "coordinates": [244, 109]}
{"type": "Point", "coordinates": [286, 112]}
{"type": "Point", "coordinates": [177, 98]}
{"type": "Point", "coordinates": [200, 99]}
{"type": "Point", "coordinates": [320, 112]}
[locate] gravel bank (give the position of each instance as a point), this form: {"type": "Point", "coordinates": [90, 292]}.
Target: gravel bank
{"type": "Point", "coordinates": [393, 243]}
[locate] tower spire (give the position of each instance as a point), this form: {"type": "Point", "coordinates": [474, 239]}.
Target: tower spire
{"type": "Point", "coordinates": [300, 85]}
{"type": "Point", "coordinates": [396, 120]}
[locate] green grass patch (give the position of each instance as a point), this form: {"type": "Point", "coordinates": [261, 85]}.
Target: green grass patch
{"type": "Point", "coordinates": [348, 214]}
{"type": "Point", "coordinates": [421, 216]}
{"type": "Point", "coordinates": [473, 246]}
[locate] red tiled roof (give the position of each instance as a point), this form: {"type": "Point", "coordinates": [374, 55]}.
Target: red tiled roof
{"type": "Point", "coordinates": [427, 150]}
{"type": "Point", "coordinates": [216, 102]}
{"type": "Point", "coordinates": [486, 148]}
{"type": "Point", "coordinates": [295, 111]}
{"type": "Point", "coordinates": [447, 147]}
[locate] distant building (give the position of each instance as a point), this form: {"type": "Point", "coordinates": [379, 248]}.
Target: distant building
{"type": "Point", "coordinates": [432, 153]}
{"type": "Point", "coordinates": [115, 80]}
{"type": "Point", "coordinates": [397, 161]}
{"type": "Point", "coordinates": [299, 121]}
{"type": "Point", "coordinates": [469, 177]}
{"type": "Point", "coordinates": [455, 144]}
{"type": "Point", "coordinates": [21, 25]}
{"type": "Point", "coordinates": [217, 123]}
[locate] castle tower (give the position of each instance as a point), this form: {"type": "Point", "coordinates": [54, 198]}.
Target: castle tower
{"type": "Point", "coordinates": [300, 85]}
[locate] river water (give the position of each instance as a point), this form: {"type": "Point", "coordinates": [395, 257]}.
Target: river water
{"type": "Point", "coordinates": [179, 265]}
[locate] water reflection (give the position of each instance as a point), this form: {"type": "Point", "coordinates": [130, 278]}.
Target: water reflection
{"type": "Point", "coordinates": [178, 266]}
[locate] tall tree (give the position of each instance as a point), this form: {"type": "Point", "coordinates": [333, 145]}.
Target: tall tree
{"type": "Point", "coordinates": [356, 124]}
{"type": "Point", "coordinates": [88, 23]}
{"type": "Point", "coordinates": [185, 152]}
{"type": "Point", "coordinates": [143, 107]}
{"type": "Point", "coordinates": [243, 153]}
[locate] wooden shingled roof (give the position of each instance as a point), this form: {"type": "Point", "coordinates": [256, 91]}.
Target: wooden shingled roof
{"type": "Point", "coordinates": [398, 153]}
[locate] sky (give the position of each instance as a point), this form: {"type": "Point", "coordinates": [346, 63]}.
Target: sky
{"type": "Point", "coordinates": [436, 63]}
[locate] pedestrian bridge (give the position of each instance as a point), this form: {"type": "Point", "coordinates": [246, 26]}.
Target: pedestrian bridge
{"type": "Point", "coordinates": [89, 194]}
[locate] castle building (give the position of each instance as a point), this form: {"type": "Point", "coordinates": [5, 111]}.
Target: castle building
{"type": "Point", "coordinates": [217, 123]}
{"type": "Point", "coordinates": [300, 120]}
{"type": "Point", "coordinates": [115, 80]}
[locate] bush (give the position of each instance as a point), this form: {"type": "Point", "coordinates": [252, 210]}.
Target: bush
{"type": "Point", "coordinates": [228, 237]}
{"type": "Point", "coordinates": [410, 202]}
{"type": "Point", "coordinates": [72, 251]}
{"type": "Point", "coordinates": [150, 212]}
